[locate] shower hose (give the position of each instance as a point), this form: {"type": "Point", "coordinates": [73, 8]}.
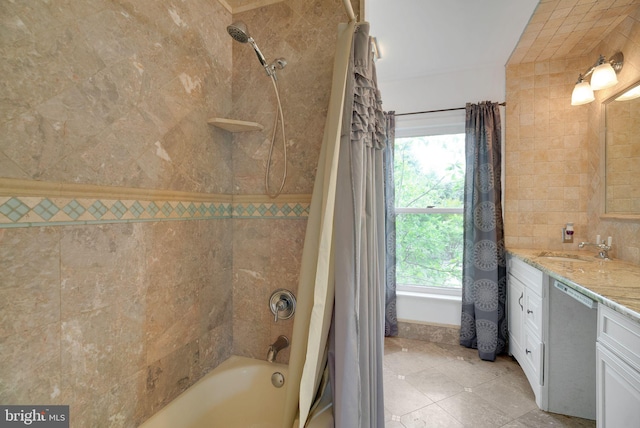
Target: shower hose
{"type": "Point", "coordinates": [279, 117]}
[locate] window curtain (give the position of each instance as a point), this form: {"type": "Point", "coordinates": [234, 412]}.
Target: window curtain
{"type": "Point", "coordinates": [484, 322]}
{"type": "Point", "coordinates": [390, 317]}
{"type": "Point", "coordinates": [357, 332]}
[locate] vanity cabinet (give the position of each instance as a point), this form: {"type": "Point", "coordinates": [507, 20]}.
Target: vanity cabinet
{"type": "Point", "coordinates": [618, 370]}
{"type": "Point", "coordinates": [553, 336]}
{"type": "Point", "coordinates": [526, 292]}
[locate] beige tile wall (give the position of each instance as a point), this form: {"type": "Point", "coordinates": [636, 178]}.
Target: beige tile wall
{"type": "Point", "coordinates": [117, 319]}
{"type": "Point", "coordinates": [114, 320]}
{"type": "Point", "coordinates": [553, 149]}
{"type": "Point", "coordinates": [267, 253]}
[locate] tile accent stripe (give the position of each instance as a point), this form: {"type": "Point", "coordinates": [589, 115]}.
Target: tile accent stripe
{"type": "Point", "coordinates": [46, 205]}
{"type": "Point", "coordinates": [38, 211]}
{"type": "Point", "coordinates": [260, 210]}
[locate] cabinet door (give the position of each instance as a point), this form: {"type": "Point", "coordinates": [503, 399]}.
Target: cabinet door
{"type": "Point", "coordinates": [618, 391]}
{"type": "Point", "coordinates": [515, 295]}
{"type": "Point", "coordinates": [533, 312]}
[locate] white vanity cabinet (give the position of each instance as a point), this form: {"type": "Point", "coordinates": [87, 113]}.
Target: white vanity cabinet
{"type": "Point", "coordinates": [618, 370]}
{"type": "Point", "coordinates": [526, 293]}
{"type": "Point", "coordinates": [553, 336]}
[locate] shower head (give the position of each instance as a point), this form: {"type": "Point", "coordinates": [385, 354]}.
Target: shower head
{"type": "Point", "coordinates": [238, 31]}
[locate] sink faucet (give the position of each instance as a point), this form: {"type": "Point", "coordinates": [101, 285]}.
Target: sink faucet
{"type": "Point", "coordinates": [604, 249]}
{"type": "Point", "coordinates": [277, 346]}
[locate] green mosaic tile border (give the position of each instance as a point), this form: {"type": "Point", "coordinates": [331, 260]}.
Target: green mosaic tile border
{"type": "Point", "coordinates": [31, 211]}
{"type": "Point", "coordinates": [271, 210]}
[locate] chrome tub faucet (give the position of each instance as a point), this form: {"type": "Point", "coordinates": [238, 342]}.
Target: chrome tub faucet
{"type": "Point", "coordinates": [277, 346]}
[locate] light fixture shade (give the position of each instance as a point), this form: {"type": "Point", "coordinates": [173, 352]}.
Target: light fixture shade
{"type": "Point", "coordinates": [582, 94]}
{"type": "Point", "coordinates": [604, 76]}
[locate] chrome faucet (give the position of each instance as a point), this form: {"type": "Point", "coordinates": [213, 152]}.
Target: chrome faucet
{"type": "Point", "coordinates": [277, 346]}
{"type": "Point", "coordinates": [604, 249]}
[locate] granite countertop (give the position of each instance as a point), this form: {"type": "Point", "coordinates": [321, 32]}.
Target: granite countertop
{"type": "Point", "coordinates": [613, 283]}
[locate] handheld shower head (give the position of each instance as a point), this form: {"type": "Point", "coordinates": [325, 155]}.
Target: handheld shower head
{"type": "Point", "coordinates": [238, 31]}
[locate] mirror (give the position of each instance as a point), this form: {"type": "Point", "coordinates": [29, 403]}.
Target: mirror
{"type": "Point", "coordinates": [622, 152]}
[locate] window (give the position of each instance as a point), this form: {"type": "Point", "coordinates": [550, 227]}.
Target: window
{"type": "Point", "coordinates": [429, 187]}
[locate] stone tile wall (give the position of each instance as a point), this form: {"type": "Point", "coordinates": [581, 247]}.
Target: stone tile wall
{"type": "Point", "coordinates": [117, 317]}
{"type": "Point", "coordinates": [554, 151]}
{"type": "Point", "coordinates": [116, 313]}
{"type": "Point", "coordinates": [267, 253]}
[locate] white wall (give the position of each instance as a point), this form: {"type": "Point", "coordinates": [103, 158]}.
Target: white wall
{"type": "Point", "coordinates": [442, 91]}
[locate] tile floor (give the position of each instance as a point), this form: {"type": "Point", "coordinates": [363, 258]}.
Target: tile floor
{"type": "Point", "coordinates": [436, 385]}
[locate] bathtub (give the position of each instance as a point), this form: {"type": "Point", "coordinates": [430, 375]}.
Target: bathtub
{"type": "Point", "coordinates": [236, 394]}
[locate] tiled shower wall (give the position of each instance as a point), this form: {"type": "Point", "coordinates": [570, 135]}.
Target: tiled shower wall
{"type": "Point", "coordinates": [114, 303]}
{"type": "Point", "coordinates": [267, 253]}
{"type": "Point", "coordinates": [554, 151]}
{"type": "Point", "coordinates": [117, 315]}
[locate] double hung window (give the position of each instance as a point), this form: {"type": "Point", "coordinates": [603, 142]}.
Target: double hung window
{"type": "Point", "coordinates": [429, 190]}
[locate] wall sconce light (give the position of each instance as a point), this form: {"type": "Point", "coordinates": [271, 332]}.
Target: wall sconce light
{"type": "Point", "coordinates": [603, 75]}
{"type": "Point", "coordinates": [582, 93]}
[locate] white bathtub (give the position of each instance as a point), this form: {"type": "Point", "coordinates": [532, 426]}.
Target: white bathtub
{"type": "Point", "coordinates": [236, 394]}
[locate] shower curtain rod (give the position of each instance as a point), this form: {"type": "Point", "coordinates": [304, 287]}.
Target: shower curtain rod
{"type": "Point", "coordinates": [349, 9]}
{"type": "Point", "coordinates": [438, 111]}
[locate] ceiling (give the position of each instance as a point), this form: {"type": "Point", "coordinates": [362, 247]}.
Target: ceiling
{"type": "Point", "coordinates": [562, 29]}
{"type": "Point", "coordinates": [425, 37]}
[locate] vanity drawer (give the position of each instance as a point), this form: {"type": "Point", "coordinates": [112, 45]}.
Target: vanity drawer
{"type": "Point", "coordinates": [620, 334]}
{"type": "Point", "coordinates": [530, 276]}
{"type": "Point", "coordinates": [533, 357]}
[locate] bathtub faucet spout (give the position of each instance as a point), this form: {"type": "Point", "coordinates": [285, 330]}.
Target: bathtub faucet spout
{"type": "Point", "coordinates": [277, 346]}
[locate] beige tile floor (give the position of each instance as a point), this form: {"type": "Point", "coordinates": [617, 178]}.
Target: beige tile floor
{"type": "Point", "coordinates": [436, 385]}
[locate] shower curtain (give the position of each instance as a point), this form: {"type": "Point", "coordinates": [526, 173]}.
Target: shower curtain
{"type": "Point", "coordinates": [315, 287]}
{"type": "Point", "coordinates": [344, 253]}
{"type": "Point", "coordinates": [357, 331]}
{"type": "Point", "coordinates": [484, 322]}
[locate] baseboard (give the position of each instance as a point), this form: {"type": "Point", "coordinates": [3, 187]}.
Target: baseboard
{"type": "Point", "coordinates": [439, 333]}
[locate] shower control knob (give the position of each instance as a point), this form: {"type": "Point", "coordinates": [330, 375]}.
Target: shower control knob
{"type": "Point", "coordinates": [282, 304]}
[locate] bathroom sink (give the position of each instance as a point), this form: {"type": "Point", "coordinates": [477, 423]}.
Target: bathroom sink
{"type": "Point", "coordinates": [563, 257]}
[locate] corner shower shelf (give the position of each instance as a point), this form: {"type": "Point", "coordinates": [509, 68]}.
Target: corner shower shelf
{"type": "Point", "coordinates": [232, 125]}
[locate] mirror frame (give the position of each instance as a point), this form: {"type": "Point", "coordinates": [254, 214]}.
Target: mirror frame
{"type": "Point", "coordinates": [633, 217]}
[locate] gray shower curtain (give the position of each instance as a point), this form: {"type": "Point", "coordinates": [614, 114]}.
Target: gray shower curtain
{"type": "Point", "coordinates": [357, 332]}
{"type": "Point", "coordinates": [484, 322]}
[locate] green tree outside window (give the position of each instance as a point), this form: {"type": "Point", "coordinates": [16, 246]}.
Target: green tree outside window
{"type": "Point", "coordinates": [429, 178]}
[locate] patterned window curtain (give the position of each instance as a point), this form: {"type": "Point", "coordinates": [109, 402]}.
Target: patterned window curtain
{"type": "Point", "coordinates": [484, 322]}
{"type": "Point", "coordinates": [390, 317]}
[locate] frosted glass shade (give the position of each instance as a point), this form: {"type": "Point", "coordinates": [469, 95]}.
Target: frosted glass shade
{"type": "Point", "coordinates": [604, 76]}
{"type": "Point", "coordinates": [582, 94]}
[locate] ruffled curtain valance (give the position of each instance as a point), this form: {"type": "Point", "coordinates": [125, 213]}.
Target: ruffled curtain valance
{"type": "Point", "coordinates": [368, 120]}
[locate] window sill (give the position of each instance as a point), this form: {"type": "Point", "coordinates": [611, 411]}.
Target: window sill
{"type": "Point", "coordinates": [431, 308]}
{"type": "Point", "coordinates": [430, 296]}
